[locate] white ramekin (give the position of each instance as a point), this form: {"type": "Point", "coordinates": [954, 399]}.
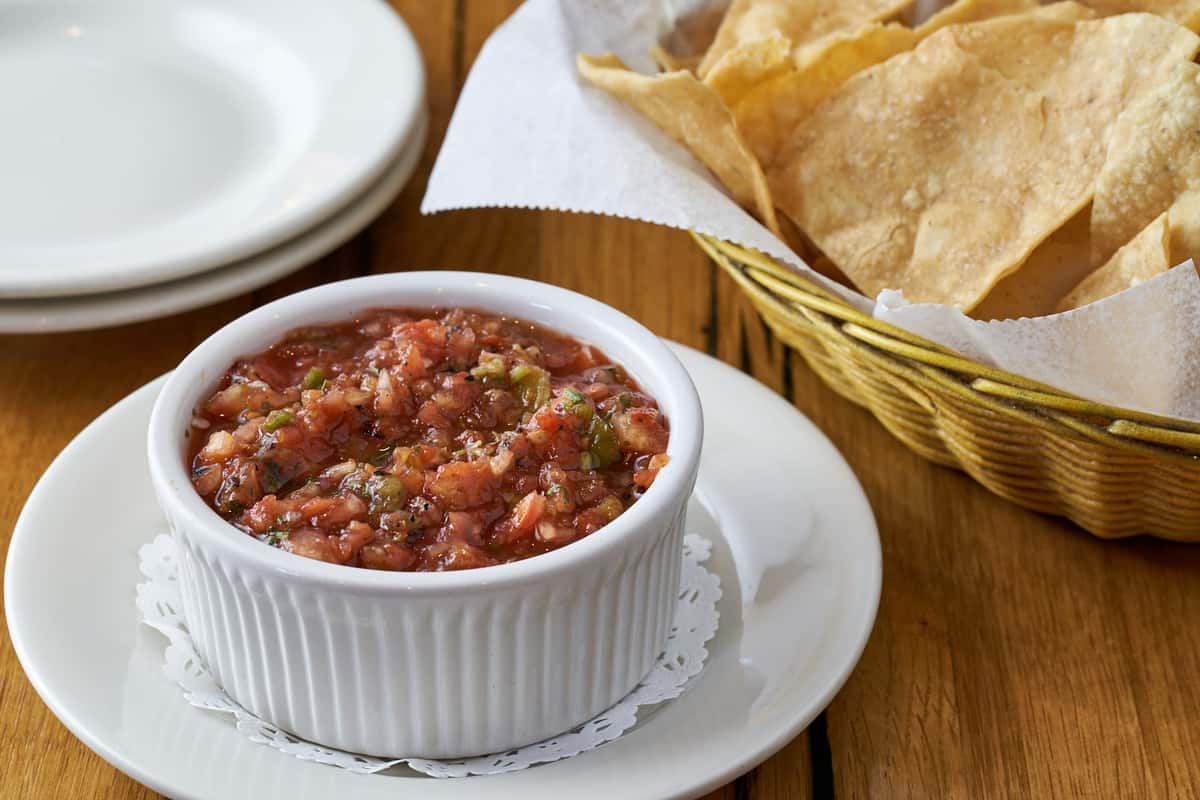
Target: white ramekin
{"type": "Point", "coordinates": [431, 664]}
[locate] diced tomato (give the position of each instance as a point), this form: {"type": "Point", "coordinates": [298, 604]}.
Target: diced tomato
{"type": "Point", "coordinates": [352, 539]}
{"type": "Point", "coordinates": [386, 555]}
{"type": "Point", "coordinates": [464, 526]}
{"type": "Point", "coordinates": [590, 521]}
{"type": "Point", "coordinates": [640, 430]}
{"type": "Point", "coordinates": [428, 335]}
{"type": "Point", "coordinates": [528, 512]}
{"type": "Point", "coordinates": [463, 484]}
{"type": "Point", "coordinates": [392, 395]}
{"type": "Point", "coordinates": [645, 477]}
{"type": "Point", "coordinates": [262, 515]}
{"type": "Point", "coordinates": [345, 507]}
{"type": "Point", "coordinates": [312, 543]}
{"type": "Point", "coordinates": [458, 555]}
{"type": "Point", "coordinates": [274, 370]}
{"type": "Point", "coordinates": [461, 349]}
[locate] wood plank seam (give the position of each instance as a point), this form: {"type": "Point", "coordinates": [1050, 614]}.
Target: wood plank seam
{"type": "Point", "coordinates": [710, 330]}
{"type": "Point", "coordinates": [743, 787]}
{"type": "Point", "coordinates": [820, 759]}
{"type": "Point", "coordinates": [459, 57]}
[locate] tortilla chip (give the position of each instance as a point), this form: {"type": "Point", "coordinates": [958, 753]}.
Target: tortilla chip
{"type": "Point", "coordinates": [767, 114]}
{"type": "Point", "coordinates": [749, 65]}
{"type": "Point", "coordinates": [1078, 64]}
{"type": "Point", "coordinates": [799, 22]}
{"type": "Point", "coordinates": [1149, 254]}
{"type": "Point", "coordinates": [940, 170]}
{"type": "Point", "coordinates": [1185, 12]}
{"type": "Point", "coordinates": [1065, 11]}
{"type": "Point", "coordinates": [898, 144]}
{"type": "Point", "coordinates": [1153, 157]}
{"type": "Point", "coordinates": [1139, 259]}
{"type": "Point", "coordinates": [1184, 221]}
{"type": "Point", "coordinates": [693, 115]}
{"type": "Point", "coordinates": [1054, 268]}
{"type": "Point", "coordinates": [965, 11]}
{"type": "Point", "coordinates": [822, 65]}
{"type": "Point", "coordinates": [667, 61]}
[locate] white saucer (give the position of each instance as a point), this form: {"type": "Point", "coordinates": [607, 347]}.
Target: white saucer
{"type": "Point", "coordinates": [147, 141]}
{"type": "Point", "coordinates": [56, 314]}
{"type": "Point", "coordinates": [797, 552]}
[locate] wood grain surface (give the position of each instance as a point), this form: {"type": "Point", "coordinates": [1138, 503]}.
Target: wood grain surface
{"type": "Point", "coordinates": [1013, 656]}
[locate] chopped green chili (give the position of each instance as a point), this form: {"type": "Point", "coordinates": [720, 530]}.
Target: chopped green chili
{"type": "Point", "coordinates": [382, 456]}
{"type": "Point", "coordinates": [610, 507]}
{"type": "Point", "coordinates": [387, 493]}
{"type": "Point", "coordinates": [532, 384]}
{"type": "Point", "coordinates": [490, 370]}
{"type": "Point", "coordinates": [315, 378]}
{"type": "Point", "coordinates": [602, 443]}
{"type": "Point", "coordinates": [277, 420]}
{"type": "Point", "coordinates": [578, 405]}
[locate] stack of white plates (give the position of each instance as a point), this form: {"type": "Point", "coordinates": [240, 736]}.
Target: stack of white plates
{"type": "Point", "coordinates": [156, 157]}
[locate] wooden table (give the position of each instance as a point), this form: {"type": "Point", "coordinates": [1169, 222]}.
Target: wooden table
{"type": "Point", "coordinates": [1013, 654]}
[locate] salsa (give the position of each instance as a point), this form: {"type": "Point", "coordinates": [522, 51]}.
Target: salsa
{"type": "Point", "coordinates": [425, 440]}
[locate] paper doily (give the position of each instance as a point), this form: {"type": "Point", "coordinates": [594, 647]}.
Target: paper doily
{"type": "Point", "coordinates": [696, 619]}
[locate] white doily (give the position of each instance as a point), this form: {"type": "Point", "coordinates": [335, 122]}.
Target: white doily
{"type": "Point", "coordinates": [695, 623]}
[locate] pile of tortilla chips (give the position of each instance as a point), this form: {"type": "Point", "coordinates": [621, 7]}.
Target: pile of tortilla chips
{"type": "Point", "coordinates": [1004, 157]}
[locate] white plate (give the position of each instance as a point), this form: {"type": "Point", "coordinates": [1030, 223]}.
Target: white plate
{"type": "Point", "coordinates": [796, 549]}
{"type": "Point", "coordinates": [146, 141]}
{"type": "Point", "coordinates": [56, 314]}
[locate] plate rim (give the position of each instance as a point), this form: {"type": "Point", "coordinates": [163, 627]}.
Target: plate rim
{"type": "Point", "coordinates": [870, 612]}
{"type": "Point", "coordinates": [166, 298]}
{"type": "Point", "coordinates": [400, 108]}
{"type": "Point", "coordinates": [867, 613]}
{"type": "Point", "coordinates": [37, 679]}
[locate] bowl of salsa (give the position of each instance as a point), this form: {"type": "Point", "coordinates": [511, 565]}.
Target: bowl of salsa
{"type": "Point", "coordinates": [428, 514]}
{"type": "Point", "coordinates": [425, 440]}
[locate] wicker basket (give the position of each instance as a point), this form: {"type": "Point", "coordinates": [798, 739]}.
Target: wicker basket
{"type": "Point", "coordinates": [1113, 471]}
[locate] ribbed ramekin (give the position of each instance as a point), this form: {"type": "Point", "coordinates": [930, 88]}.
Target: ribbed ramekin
{"type": "Point", "coordinates": [437, 665]}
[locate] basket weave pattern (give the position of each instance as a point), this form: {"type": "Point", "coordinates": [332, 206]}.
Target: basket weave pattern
{"type": "Point", "coordinates": [1114, 472]}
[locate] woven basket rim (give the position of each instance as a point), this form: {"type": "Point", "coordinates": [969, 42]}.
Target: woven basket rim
{"type": "Point", "coordinates": [996, 388]}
